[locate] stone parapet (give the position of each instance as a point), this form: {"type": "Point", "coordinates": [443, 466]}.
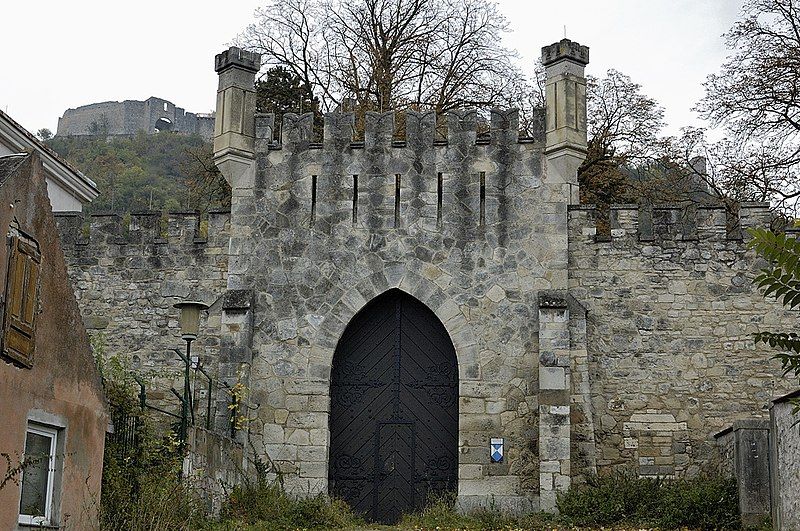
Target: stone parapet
{"type": "Point", "coordinates": [237, 57]}
{"type": "Point", "coordinates": [633, 224]}
{"type": "Point", "coordinates": [298, 131]}
{"type": "Point", "coordinates": [176, 229]}
{"type": "Point", "coordinates": [565, 49]}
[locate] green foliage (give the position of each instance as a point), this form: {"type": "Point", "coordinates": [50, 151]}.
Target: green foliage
{"type": "Point", "coordinates": [780, 280]}
{"type": "Point", "coordinates": [141, 487]}
{"type": "Point", "coordinates": [280, 91]}
{"type": "Point", "coordinates": [263, 505]}
{"type": "Point", "coordinates": [164, 171]}
{"type": "Point", "coordinates": [441, 513]}
{"type": "Point", "coordinates": [703, 503]}
{"type": "Point", "coordinates": [700, 503]}
{"type": "Point", "coordinates": [609, 500]}
{"type": "Point", "coordinates": [148, 496]}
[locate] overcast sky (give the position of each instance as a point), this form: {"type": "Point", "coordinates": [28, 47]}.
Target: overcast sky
{"type": "Point", "coordinates": [59, 54]}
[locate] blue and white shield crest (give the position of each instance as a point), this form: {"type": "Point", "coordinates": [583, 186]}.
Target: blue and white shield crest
{"type": "Point", "coordinates": [496, 450]}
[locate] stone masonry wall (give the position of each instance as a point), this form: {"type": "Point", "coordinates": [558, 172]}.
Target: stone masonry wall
{"type": "Point", "coordinates": [671, 313]}
{"type": "Point", "coordinates": [126, 278]}
{"type": "Point", "coordinates": [314, 259]}
{"type": "Point", "coordinates": [213, 465]}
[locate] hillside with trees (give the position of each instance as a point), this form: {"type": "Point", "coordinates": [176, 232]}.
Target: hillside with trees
{"type": "Point", "coordinates": [164, 171]}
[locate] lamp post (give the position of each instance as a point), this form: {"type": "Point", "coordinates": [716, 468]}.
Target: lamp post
{"type": "Point", "coordinates": [190, 326]}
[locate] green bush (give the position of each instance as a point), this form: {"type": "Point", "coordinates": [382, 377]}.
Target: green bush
{"type": "Point", "coordinates": [263, 505]}
{"type": "Point", "coordinates": [441, 513]}
{"type": "Point", "coordinates": [164, 171]}
{"type": "Point", "coordinates": [702, 503]}
{"type": "Point", "coordinates": [609, 499]}
{"type": "Point", "coordinates": [141, 486]}
{"type": "Point", "coordinates": [149, 499]}
{"type": "Point", "coordinates": [699, 503]}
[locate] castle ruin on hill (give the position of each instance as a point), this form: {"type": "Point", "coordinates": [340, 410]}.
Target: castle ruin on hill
{"type": "Point", "coordinates": [127, 118]}
{"type": "Point", "coordinates": [414, 316]}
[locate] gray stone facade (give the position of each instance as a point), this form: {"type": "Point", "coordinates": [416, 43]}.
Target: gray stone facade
{"type": "Point", "coordinates": [126, 118]}
{"type": "Point", "coordinates": [583, 354]}
{"type": "Point", "coordinates": [127, 274]}
{"type": "Point", "coordinates": [480, 275]}
{"type": "Point", "coordinates": [672, 312]}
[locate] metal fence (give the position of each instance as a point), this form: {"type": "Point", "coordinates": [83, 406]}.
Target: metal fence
{"type": "Point", "coordinates": [196, 405]}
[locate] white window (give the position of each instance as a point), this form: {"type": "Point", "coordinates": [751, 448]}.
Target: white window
{"type": "Point", "coordinates": [38, 475]}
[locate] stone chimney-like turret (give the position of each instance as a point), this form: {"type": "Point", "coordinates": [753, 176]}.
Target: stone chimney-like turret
{"type": "Point", "coordinates": [564, 63]}
{"type": "Point", "coordinates": [234, 129]}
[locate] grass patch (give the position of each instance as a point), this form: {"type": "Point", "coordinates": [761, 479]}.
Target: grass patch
{"type": "Point", "coordinates": [608, 502]}
{"type": "Point", "coordinates": [263, 505]}
{"type": "Point", "coordinates": [441, 513]}
{"type": "Point", "coordinates": [149, 500]}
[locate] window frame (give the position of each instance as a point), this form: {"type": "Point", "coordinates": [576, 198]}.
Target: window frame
{"type": "Point", "coordinates": [52, 433]}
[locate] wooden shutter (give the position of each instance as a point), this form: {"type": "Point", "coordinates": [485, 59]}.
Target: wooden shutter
{"type": "Point", "coordinates": [21, 300]}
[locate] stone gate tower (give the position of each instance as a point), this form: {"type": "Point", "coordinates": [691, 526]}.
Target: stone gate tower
{"type": "Point", "coordinates": [467, 235]}
{"type": "Point", "coordinates": [421, 313]}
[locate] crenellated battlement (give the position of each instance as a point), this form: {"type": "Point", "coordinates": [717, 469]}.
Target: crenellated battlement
{"type": "Point", "coordinates": [422, 129]}
{"type": "Point", "coordinates": [174, 229]}
{"type": "Point", "coordinates": [399, 176]}
{"type": "Point", "coordinates": [667, 223]}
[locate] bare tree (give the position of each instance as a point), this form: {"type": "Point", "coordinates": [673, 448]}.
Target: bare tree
{"type": "Point", "coordinates": [727, 172]}
{"type": "Point", "coordinates": [756, 91]}
{"type": "Point", "coordinates": [206, 187]}
{"type": "Point", "coordinates": [287, 34]}
{"type": "Point", "coordinates": [389, 54]}
{"type": "Point", "coordinates": [529, 99]}
{"type": "Point", "coordinates": [756, 97]}
{"type": "Point", "coordinates": [622, 121]}
{"type": "Point", "coordinates": [623, 126]}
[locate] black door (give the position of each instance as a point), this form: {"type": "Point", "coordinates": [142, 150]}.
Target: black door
{"type": "Point", "coordinates": [394, 409]}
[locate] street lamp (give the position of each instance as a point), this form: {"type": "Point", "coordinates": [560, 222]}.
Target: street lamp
{"type": "Point", "coordinates": [190, 326]}
{"type": "Point", "coordinates": [190, 318]}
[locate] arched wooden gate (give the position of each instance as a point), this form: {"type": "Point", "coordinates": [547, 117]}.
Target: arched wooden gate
{"type": "Point", "coordinates": [394, 409]}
